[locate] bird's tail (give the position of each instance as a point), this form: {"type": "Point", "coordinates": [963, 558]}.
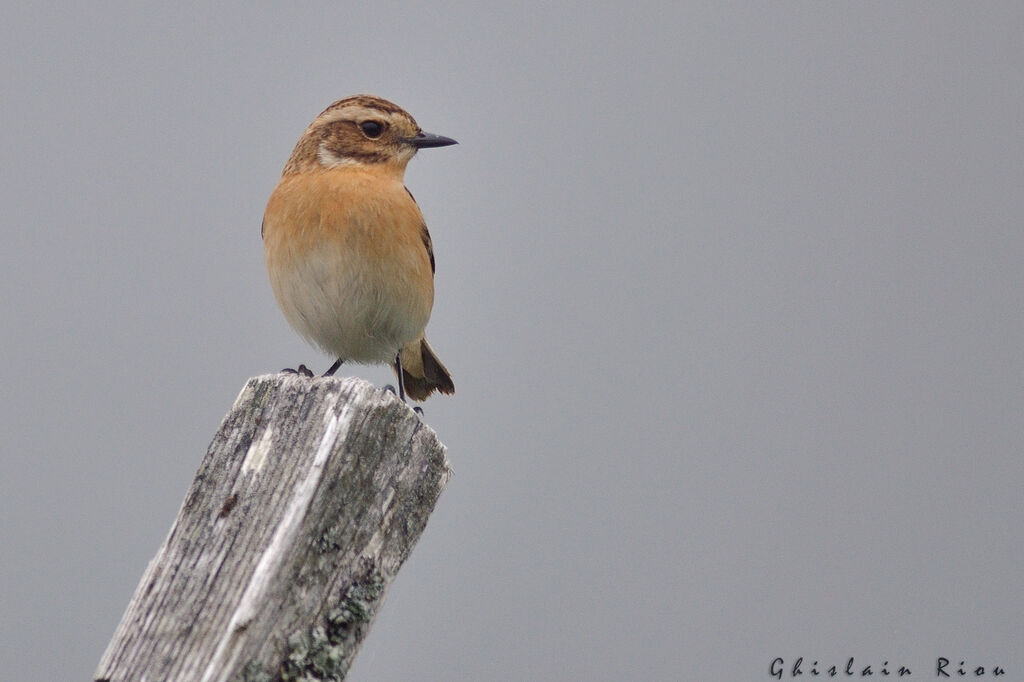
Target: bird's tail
{"type": "Point", "coordinates": [422, 372]}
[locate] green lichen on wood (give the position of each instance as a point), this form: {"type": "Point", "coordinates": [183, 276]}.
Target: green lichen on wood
{"type": "Point", "coordinates": [254, 671]}
{"type": "Point", "coordinates": [357, 604]}
{"type": "Point", "coordinates": [325, 652]}
{"type": "Point", "coordinates": [328, 542]}
{"type": "Point", "coordinates": [314, 657]}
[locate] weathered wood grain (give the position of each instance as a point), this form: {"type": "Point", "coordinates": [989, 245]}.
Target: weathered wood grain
{"type": "Point", "coordinates": [312, 494]}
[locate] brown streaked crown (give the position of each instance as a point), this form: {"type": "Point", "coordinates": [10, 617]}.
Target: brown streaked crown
{"type": "Point", "coordinates": [357, 130]}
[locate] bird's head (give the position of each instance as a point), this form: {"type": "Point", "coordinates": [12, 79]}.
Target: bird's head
{"type": "Point", "coordinates": [361, 130]}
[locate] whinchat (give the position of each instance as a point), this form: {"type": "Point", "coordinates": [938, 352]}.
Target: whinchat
{"type": "Point", "coordinates": [348, 252]}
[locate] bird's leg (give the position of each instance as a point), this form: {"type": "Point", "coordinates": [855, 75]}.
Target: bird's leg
{"type": "Point", "coordinates": [401, 383]}
{"type": "Point", "coordinates": [401, 379]}
{"type": "Point", "coordinates": [333, 368]}
{"type": "Point", "coordinates": [301, 371]}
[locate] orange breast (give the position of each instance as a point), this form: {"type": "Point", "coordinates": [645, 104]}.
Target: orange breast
{"type": "Point", "coordinates": [347, 262]}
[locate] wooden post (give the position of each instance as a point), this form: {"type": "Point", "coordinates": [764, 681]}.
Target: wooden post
{"type": "Point", "coordinates": [312, 494]}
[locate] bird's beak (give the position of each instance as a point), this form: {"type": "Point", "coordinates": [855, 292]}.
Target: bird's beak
{"type": "Point", "coordinates": [423, 140]}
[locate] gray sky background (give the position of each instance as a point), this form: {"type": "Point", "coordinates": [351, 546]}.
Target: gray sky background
{"type": "Point", "coordinates": [733, 295]}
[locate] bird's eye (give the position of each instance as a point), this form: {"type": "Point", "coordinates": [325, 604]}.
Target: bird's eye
{"type": "Point", "coordinates": [372, 129]}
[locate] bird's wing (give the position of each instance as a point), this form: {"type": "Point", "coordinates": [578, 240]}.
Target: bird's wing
{"type": "Point", "coordinates": [425, 236]}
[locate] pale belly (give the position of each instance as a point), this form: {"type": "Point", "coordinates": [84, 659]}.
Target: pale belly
{"type": "Point", "coordinates": [350, 309]}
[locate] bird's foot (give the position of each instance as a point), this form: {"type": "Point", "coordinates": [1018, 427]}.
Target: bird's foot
{"type": "Point", "coordinates": [415, 408]}
{"type": "Point", "coordinates": [302, 371]}
{"type": "Point", "coordinates": [391, 389]}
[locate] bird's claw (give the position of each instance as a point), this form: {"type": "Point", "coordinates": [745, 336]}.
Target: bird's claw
{"type": "Point", "coordinates": [302, 371]}
{"type": "Point", "coordinates": [393, 391]}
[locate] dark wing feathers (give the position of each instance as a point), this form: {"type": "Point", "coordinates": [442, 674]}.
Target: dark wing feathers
{"type": "Point", "coordinates": [425, 235]}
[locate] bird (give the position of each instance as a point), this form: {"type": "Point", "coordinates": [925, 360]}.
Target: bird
{"type": "Point", "coordinates": [347, 250]}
